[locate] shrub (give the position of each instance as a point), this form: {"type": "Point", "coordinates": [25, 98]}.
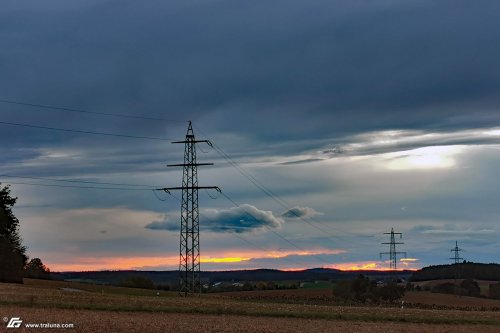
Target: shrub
{"type": "Point", "coordinates": [467, 287]}
{"type": "Point", "coordinates": [444, 288]}
{"type": "Point", "coordinates": [495, 291]}
{"type": "Point", "coordinates": [391, 292]}
{"type": "Point", "coordinates": [362, 290]}
{"type": "Point", "coordinates": [470, 287]}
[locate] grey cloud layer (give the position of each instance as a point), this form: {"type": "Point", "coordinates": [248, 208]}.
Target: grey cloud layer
{"type": "Point", "coordinates": [350, 66]}
{"type": "Point", "coordinates": [287, 77]}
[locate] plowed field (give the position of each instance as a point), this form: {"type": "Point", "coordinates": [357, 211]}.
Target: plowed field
{"type": "Point", "coordinates": [106, 309]}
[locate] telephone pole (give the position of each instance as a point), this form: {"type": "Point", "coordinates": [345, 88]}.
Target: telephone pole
{"type": "Point", "coordinates": [189, 249]}
{"type": "Point", "coordinates": [392, 250]}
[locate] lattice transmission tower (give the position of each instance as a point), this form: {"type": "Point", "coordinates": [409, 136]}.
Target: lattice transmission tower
{"type": "Point", "coordinates": [457, 251]}
{"type": "Point", "coordinates": [189, 248]}
{"type": "Point", "coordinates": [392, 250]}
{"type": "Point", "coordinates": [456, 268]}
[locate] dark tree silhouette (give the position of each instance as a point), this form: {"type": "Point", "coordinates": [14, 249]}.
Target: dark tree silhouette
{"type": "Point", "coordinates": [36, 269]}
{"type": "Point", "coordinates": [467, 270]}
{"type": "Point", "coordinates": [362, 289]}
{"type": "Point", "coordinates": [12, 253]}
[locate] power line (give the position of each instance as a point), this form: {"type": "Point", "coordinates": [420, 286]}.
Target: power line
{"type": "Point", "coordinates": [252, 179]}
{"type": "Point", "coordinates": [59, 108]}
{"type": "Point", "coordinates": [82, 187]}
{"type": "Point", "coordinates": [76, 181]}
{"type": "Point", "coordinates": [267, 251]}
{"type": "Point", "coordinates": [272, 194]}
{"type": "Point", "coordinates": [264, 189]}
{"type": "Point", "coordinates": [242, 171]}
{"type": "Point", "coordinates": [318, 257]}
{"type": "Point", "coordinates": [158, 197]}
{"type": "Point", "coordinates": [82, 132]}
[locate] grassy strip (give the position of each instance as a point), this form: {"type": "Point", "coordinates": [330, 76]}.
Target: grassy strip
{"type": "Point", "coordinates": [242, 312]}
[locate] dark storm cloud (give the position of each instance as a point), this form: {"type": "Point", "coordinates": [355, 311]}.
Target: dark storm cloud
{"type": "Point", "coordinates": [274, 73]}
{"type": "Point", "coordinates": [350, 67]}
{"type": "Point", "coordinates": [245, 218]}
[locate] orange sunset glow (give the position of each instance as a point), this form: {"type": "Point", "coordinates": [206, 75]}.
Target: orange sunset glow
{"type": "Point", "coordinates": [222, 258]}
{"type": "Point", "coordinates": [143, 262]}
{"type": "Point", "coordinates": [366, 266]}
{"type": "Point", "coordinates": [112, 263]}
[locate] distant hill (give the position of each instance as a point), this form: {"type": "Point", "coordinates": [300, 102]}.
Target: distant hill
{"type": "Point", "coordinates": [170, 277]}
{"type": "Point", "coordinates": [469, 270]}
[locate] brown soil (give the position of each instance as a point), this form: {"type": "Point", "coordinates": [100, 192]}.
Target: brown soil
{"type": "Point", "coordinates": [451, 301]}
{"type": "Point", "coordinates": [97, 321]}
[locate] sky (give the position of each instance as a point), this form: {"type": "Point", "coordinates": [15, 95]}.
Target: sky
{"type": "Point", "coordinates": [331, 122]}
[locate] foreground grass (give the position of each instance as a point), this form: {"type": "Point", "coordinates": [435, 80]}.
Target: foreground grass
{"type": "Point", "coordinates": [48, 295]}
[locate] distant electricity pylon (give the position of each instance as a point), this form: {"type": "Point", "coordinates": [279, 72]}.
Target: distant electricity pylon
{"type": "Point", "coordinates": [392, 250]}
{"type": "Point", "coordinates": [456, 270]}
{"type": "Point", "coordinates": [457, 250]}
{"type": "Point", "coordinates": [189, 253]}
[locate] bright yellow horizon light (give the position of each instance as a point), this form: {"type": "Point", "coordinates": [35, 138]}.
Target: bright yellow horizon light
{"type": "Point", "coordinates": [408, 259]}
{"type": "Point", "coordinates": [224, 260]}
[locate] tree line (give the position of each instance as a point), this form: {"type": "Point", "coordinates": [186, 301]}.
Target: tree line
{"type": "Point", "coordinates": [14, 264]}
{"type": "Point", "coordinates": [465, 270]}
{"type": "Point", "coordinates": [364, 290]}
